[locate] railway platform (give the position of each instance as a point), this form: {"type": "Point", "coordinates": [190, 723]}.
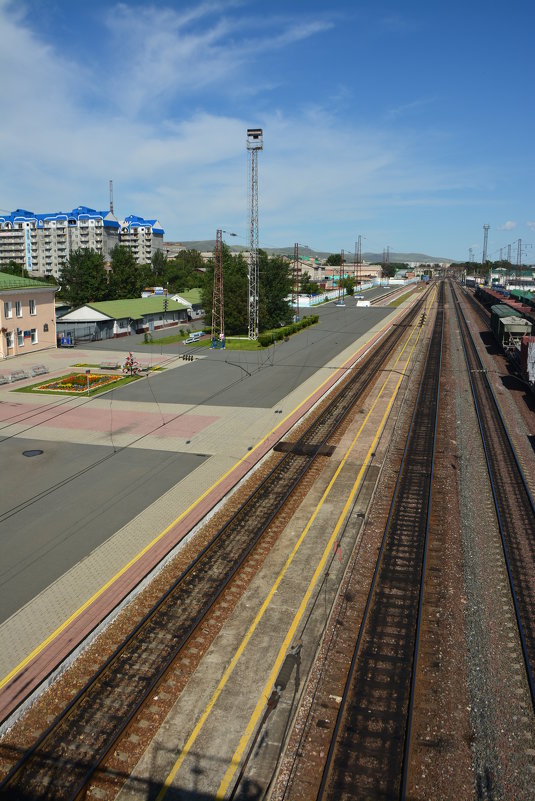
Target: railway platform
{"type": "Point", "coordinates": [228, 441]}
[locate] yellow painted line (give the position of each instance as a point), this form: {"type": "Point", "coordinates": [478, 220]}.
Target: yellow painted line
{"type": "Point", "coordinates": [37, 650]}
{"type": "Point", "coordinates": [260, 706]}
{"type": "Point", "coordinates": [230, 668]}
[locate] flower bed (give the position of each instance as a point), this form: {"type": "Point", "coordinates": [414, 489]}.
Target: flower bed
{"type": "Point", "coordinates": [77, 382]}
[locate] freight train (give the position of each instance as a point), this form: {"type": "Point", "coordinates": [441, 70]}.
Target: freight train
{"type": "Point", "coordinates": [512, 322]}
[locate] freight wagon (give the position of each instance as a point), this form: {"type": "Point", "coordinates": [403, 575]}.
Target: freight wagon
{"type": "Point", "coordinates": [512, 332]}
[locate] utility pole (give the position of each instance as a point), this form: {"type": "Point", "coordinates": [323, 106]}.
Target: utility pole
{"type": "Point", "coordinates": [218, 322]}
{"type": "Point", "coordinates": [254, 144]}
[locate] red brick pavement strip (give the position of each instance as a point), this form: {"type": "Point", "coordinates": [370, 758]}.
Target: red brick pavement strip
{"type": "Point", "coordinates": [39, 665]}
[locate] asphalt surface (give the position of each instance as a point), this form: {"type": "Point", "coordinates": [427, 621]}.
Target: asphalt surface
{"type": "Point", "coordinates": [258, 378]}
{"type": "Point", "coordinates": [59, 506]}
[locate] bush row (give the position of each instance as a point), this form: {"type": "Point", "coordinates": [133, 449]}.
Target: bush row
{"type": "Point", "coordinates": [276, 336]}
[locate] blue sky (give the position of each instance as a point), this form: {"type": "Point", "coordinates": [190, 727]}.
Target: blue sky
{"type": "Point", "coordinates": [411, 124]}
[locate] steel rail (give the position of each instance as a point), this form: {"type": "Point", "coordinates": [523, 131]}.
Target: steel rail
{"type": "Point", "coordinates": [293, 467]}
{"type": "Point", "coordinates": [494, 434]}
{"type": "Point", "coordinates": [397, 586]}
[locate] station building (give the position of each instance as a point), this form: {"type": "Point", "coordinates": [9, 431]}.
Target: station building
{"type": "Point", "coordinates": [27, 317]}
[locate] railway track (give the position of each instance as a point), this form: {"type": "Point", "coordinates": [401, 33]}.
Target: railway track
{"type": "Point", "coordinates": [66, 756]}
{"type": "Point", "coordinates": [515, 510]}
{"type": "Point", "coordinates": [369, 748]}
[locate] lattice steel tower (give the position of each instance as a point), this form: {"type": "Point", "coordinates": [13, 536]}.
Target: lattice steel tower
{"type": "Point", "coordinates": [254, 144]}
{"type": "Point", "coordinates": [218, 320]}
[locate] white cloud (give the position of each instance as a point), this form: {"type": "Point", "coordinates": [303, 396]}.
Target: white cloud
{"type": "Point", "coordinates": [507, 226]}
{"type": "Point", "coordinates": [531, 224]}
{"type": "Point", "coordinates": [317, 172]}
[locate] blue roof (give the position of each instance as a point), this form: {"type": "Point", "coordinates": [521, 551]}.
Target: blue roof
{"type": "Point", "coordinates": [81, 213]}
{"type": "Point", "coordinates": [133, 221]}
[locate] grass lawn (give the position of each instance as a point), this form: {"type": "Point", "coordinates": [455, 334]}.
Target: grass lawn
{"type": "Point", "coordinates": [400, 300]}
{"type": "Point", "coordinates": [53, 386]}
{"type": "Point", "coordinates": [170, 340]}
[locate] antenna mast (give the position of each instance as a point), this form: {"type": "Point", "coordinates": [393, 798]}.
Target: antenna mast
{"type": "Point", "coordinates": [111, 196]}
{"type": "Point", "coordinates": [254, 144]}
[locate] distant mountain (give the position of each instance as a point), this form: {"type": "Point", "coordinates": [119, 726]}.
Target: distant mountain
{"type": "Point", "coordinates": [207, 245]}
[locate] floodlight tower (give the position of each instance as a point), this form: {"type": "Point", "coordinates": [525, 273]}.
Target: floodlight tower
{"type": "Point", "coordinates": [218, 320]}
{"type": "Point", "coordinates": [254, 144]}
{"type": "Point", "coordinates": [485, 239]}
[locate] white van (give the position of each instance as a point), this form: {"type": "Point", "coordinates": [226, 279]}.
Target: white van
{"type": "Point", "coordinates": [363, 302]}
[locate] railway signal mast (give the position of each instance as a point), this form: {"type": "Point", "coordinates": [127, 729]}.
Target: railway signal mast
{"type": "Point", "coordinates": [254, 144]}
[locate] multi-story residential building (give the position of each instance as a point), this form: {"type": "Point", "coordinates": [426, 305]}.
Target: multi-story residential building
{"type": "Point", "coordinates": [41, 243]}
{"type": "Point", "coordinates": [143, 237]}
{"type": "Point", "coordinates": [27, 318]}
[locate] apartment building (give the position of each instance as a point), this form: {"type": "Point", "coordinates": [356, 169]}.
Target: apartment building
{"type": "Point", "coordinates": [143, 237]}
{"type": "Point", "coordinates": [41, 243]}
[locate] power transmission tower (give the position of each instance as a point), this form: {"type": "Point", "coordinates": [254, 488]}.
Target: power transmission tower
{"type": "Point", "coordinates": [254, 144]}
{"type": "Point", "coordinates": [485, 240]}
{"type": "Point", "coordinates": [509, 253]}
{"type": "Point", "coordinates": [218, 320]}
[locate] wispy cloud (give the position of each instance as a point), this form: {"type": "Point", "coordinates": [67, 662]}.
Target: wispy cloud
{"type": "Point", "coordinates": [507, 226]}
{"type": "Point", "coordinates": [172, 151]}
{"type": "Point", "coordinates": [531, 224]}
{"type": "Point", "coordinates": [406, 108]}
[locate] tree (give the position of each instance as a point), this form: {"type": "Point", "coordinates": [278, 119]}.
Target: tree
{"type": "Point", "coordinates": [307, 286]}
{"type": "Point", "coordinates": [334, 260]}
{"type": "Point", "coordinates": [126, 279]}
{"type": "Point", "coordinates": [349, 285]}
{"type": "Point", "coordinates": [235, 288]}
{"type": "Point", "coordinates": [275, 285]}
{"type": "Point", "coordinates": [158, 265]}
{"type": "Point", "coordinates": [185, 271]}
{"type": "Point", "coordinates": [13, 268]}
{"type": "Point", "coordinates": [83, 278]}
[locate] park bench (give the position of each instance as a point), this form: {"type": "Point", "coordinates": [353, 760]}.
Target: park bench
{"type": "Point", "coordinates": [17, 375]}
{"type": "Point", "coordinates": [109, 365]}
{"type": "Point", "coordinates": [39, 369]}
{"type": "Point", "coordinates": [4, 379]}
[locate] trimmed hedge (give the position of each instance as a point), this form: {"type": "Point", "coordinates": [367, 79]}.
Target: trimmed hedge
{"type": "Point", "coordinates": [279, 334]}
